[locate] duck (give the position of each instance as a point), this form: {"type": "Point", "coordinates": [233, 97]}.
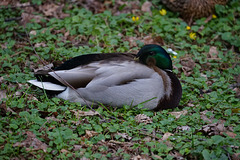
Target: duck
{"type": "Point", "coordinates": [115, 79]}
{"type": "Point", "coordinates": [193, 9]}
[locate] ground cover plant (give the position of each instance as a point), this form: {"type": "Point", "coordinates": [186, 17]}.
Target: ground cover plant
{"type": "Point", "coordinates": [37, 33]}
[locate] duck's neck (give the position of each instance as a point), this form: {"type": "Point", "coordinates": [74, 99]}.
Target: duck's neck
{"type": "Point", "coordinates": [171, 101]}
{"type": "Point", "coordinates": [165, 78]}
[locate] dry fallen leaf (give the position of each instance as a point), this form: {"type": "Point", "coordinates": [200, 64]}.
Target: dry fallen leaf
{"type": "Point", "coordinates": [236, 156]}
{"type": "Point", "coordinates": [27, 17]}
{"type": "Point", "coordinates": [190, 105]}
{"type": "Point", "coordinates": [157, 157]}
{"type": "Point", "coordinates": [146, 7]}
{"type": "Point", "coordinates": [142, 118]}
{"type": "Point", "coordinates": [124, 135]}
{"type": "Point", "coordinates": [213, 53]}
{"type": "Point", "coordinates": [83, 113]}
{"type": "Point", "coordinates": [49, 9]}
{"type": "Point", "coordinates": [230, 134]}
{"type": "Point", "coordinates": [129, 7]}
{"type": "Point", "coordinates": [53, 118]}
{"type": "Point", "coordinates": [4, 45]}
{"type": "Point", "coordinates": [64, 151]}
{"type": "Point", "coordinates": [31, 141]}
{"type": "Point", "coordinates": [187, 65]}
{"type": "Point", "coordinates": [132, 41]}
{"type": "Point", "coordinates": [166, 136]}
{"type": "Point", "coordinates": [147, 139]}
{"type": "Point", "coordinates": [183, 128]}
{"type": "Point", "coordinates": [211, 129]}
{"type": "Point", "coordinates": [205, 118]}
{"type": "Point", "coordinates": [217, 129]}
{"type": "Point", "coordinates": [138, 157]}
{"type": "Point", "coordinates": [77, 147]}
{"type": "Point", "coordinates": [150, 39]}
{"type": "Point", "coordinates": [141, 157]}
{"type": "Point", "coordinates": [33, 32]}
{"type": "Point", "coordinates": [3, 94]}
{"type": "Point", "coordinates": [178, 114]}
{"type": "Point", "coordinates": [90, 134]}
{"type": "Point", "coordinates": [95, 6]}
{"type": "Point", "coordinates": [4, 2]}
{"type": "Point", "coordinates": [177, 155]}
{"type": "Point", "coordinates": [41, 44]}
{"type": "Point", "coordinates": [22, 4]}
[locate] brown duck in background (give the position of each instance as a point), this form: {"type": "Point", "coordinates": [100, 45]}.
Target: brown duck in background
{"type": "Point", "coordinates": [193, 9]}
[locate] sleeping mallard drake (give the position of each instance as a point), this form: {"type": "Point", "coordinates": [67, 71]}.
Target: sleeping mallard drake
{"type": "Point", "coordinates": [116, 79]}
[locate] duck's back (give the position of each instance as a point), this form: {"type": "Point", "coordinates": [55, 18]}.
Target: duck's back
{"type": "Point", "coordinates": [117, 84]}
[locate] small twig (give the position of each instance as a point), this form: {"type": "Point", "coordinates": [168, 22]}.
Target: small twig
{"type": "Point", "coordinates": [11, 56]}
{"type": "Point", "coordinates": [214, 38]}
{"type": "Point", "coordinates": [229, 157]}
{"type": "Point", "coordinates": [68, 85]}
{"type": "Point", "coordinates": [121, 143]}
{"type": "Point", "coordinates": [224, 148]}
{"type": "Point", "coordinates": [155, 6]}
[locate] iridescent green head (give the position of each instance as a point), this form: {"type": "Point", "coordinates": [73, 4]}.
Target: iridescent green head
{"type": "Point", "coordinates": [152, 54]}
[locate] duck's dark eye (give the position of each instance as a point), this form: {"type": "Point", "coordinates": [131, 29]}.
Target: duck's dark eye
{"type": "Point", "coordinates": [151, 53]}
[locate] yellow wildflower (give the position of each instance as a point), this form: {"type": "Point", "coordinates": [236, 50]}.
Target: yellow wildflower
{"type": "Point", "coordinates": [214, 16]}
{"type": "Point", "coordinates": [163, 12]}
{"type": "Point", "coordinates": [135, 19]}
{"type": "Point", "coordinates": [174, 56]}
{"type": "Point", "coordinates": [193, 35]}
{"type": "Point", "coordinates": [188, 28]}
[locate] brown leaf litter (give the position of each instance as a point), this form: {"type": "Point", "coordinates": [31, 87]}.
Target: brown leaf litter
{"type": "Point", "coordinates": [147, 39]}
{"type": "Point", "coordinates": [53, 10]}
{"type": "Point", "coordinates": [142, 118]}
{"type": "Point", "coordinates": [183, 128]}
{"type": "Point", "coordinates": [178, 114]}
{"type": "Point", "coordinates": [146, 7]}
{"type": "Point", "coordinates": [93, 5]}
{"type": "Point", "coordinates": [130, 7]}
{"type": "Point", "coordinates": [188, 65]}
{"type": "Point", "coordinates": [213, 53]}
{"type": "Point", "coordinates": [90, 134]}
{"type": "Point", "coordinates": [206, 118]}
{"type": "Point", "coordinates": [124, 136]}
{"type": "Point", "coordinates": [32, 143]}
{"type": "Point", "coordinates": [166, 136]}
{"type": "Point", "coordinates": [49, 9]}
{"type": "Point", "coordinates": [217, 129]}
{"type": "Point", "coordinates": [80, 113]}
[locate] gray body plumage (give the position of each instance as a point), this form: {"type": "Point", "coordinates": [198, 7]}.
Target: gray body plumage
{"type": "Point", "coordinates": [115, 79]}
{"type": "Point", "coordinates": [114, 83]}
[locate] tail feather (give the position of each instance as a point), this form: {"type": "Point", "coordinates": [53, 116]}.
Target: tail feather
{"type": "Point", "coordinates": [47, 85]}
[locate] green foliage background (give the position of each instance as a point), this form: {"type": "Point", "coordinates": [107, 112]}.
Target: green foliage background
{"type": "Point", "coordinates": [210, 87]}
